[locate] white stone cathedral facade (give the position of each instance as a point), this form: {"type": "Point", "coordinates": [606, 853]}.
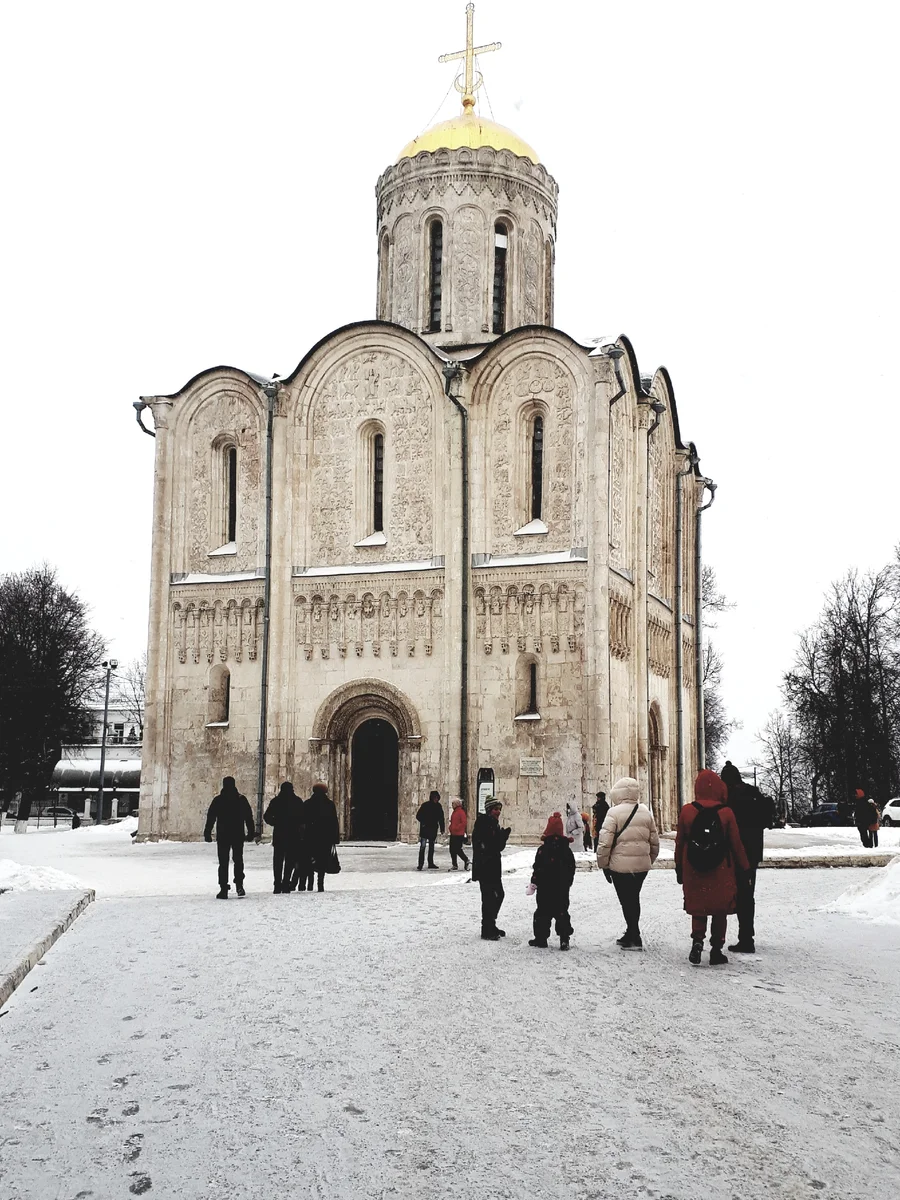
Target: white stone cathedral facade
{"type": "Point", "coordinates": [468, 540]}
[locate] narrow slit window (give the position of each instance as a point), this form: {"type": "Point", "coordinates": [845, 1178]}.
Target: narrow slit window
{"type": "Point", "coordinates": [436, 252]}
{"type": "Point", "coordinates": [226, 698]}
{"type": "Point", "coordinates": [501, 244]}
{"type": "Point", "coordinates": [231, 488]}
{"type": "Point", "coordinates": [378, 482]}
{"type": "Point", "coordinates": [532, 688]}
{"type": "Point", "coordinates": [537, 467]}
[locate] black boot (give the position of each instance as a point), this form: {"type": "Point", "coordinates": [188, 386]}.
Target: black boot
{"type": "Point", "coordinates": [563, 943]}
{"type": "Point", "coordinates": [490, 935]}
{"type": "Point", "coordinates": [239, 888]}
{"type": "Point", "coordinates": [539, 943]}
{"type": "Point", "coordinates": [696, 954]}
{"type": "Point", "coordinates": [740, 947]}
{"type": "Point", "coordinates": [222, 893]}
{"type": "Point", "coordinates": [717, 958]}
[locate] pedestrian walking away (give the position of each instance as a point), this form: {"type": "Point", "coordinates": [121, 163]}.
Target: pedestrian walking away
{"type": "Point", "coordinates": [232, 817]}
{"type": "Point", "coordinates": [552, 875]}
{"type": "Point", "coordinates": [322, 835]}
{"type": "Point", "coordinates": [599, 810]}
{"type": "Point", "coordinates": [627, 848]}
{"type": "Point", "coordinates": [285, 815]}
{"type": "Point", "coordinates": [488, 844]}
{"type": "Point", "coordinates": [754, 813]}
{"type": "Point", "coordinates": [862, 817]}
{"type": "Point", "coordinates": [708, 855]}
{"type": "Point", "coordinates": [586, 839]}
{"type": "Point", "coordinates": [431, 819]}
{"type": "Point", "coordinates": [458, 825]}
{"type": "Point", "coordinates": [874, 823]}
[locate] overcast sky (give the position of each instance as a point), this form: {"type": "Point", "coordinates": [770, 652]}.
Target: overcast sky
{"type": "Point", "coordinates": [192, 183]}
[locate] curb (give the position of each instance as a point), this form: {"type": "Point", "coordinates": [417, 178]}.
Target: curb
{"type": "Point", "coordinates": [11, 980]}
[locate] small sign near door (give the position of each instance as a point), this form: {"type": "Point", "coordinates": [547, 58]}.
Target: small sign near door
{"type": "Point", "coordinates": [531, 766]}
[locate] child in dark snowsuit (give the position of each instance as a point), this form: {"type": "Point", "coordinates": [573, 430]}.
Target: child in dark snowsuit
{"type": "Point", "coordinates": [554, 870]}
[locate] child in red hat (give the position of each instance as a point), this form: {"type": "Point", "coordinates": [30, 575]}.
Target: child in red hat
{"type": "Point", "coordinates": [554, 870]}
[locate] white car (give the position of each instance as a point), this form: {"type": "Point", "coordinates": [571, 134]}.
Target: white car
{"type": "Point", "coordinates": [891, 813]}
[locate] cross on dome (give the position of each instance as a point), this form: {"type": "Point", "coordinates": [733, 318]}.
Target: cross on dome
{"type": "Point", "coordinates": [473, 79]}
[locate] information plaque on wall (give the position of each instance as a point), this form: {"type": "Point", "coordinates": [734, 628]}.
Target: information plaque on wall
{"type": "Point", "coordinates": [531, 766]}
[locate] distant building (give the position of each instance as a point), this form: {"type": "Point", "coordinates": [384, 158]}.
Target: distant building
{"type": "Point", "coordinates": [76, 777]}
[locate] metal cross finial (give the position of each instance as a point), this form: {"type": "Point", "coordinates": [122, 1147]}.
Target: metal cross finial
{"type": "Point", "coordinates": [473, 78]}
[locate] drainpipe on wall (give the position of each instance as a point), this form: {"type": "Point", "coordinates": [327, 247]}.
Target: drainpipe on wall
{"type": "Point", "coordinates": [270, 390]}
{"type": "Point", "coordinates": [613, 353]}
{"type": "Point", "coordinates": [707, 485]}
{"type": "Point", "coordinates": [679, 620]}
{"type": "Point", "coordinates": [453, 371]}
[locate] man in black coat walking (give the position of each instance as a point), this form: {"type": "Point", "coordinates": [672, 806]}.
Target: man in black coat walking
{"type": "Point", "coordinates": [599, 808]}
{"type": "Point", "coordinates": [285, 815]}
{"type": "Point", "coordinates": [488, 844]}
{"type": "Point", "coordinates": [231, 814]}
{"type": "Point", "coordinates": [754, 813]}
{"type": "Point", "coordinates": [431, 819]}
{"type": "Point", "coordinates": [322, 832]}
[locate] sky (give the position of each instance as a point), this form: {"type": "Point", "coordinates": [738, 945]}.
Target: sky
{"type": "Point", "coordinates": [192, 183]}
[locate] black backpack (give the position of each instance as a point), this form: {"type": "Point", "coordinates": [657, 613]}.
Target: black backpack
{"type": "Point", "coordinates": [706, 846]}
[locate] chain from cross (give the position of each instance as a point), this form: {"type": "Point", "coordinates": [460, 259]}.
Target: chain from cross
{"type": "Point", "coordinates": [473, 79]}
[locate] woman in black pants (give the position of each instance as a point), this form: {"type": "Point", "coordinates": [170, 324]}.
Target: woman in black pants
{"type": "Point", "coordinates": [627, 848]}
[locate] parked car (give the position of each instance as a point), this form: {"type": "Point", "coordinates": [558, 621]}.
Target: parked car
{"type": "Point", "coordinates": [825, 814]}
{"type": "Point", "coordinates": [890, 814]}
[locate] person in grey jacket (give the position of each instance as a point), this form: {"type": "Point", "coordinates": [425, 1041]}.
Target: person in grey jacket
{"type": "Point", "coordinates": [627, 848]}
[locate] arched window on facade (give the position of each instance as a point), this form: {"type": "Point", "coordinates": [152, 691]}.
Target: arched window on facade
{"type": "Point", "coordinates": [219, 700]}
{"type": "Point", "coordinates": [231, 482]}
{"type": "Point", "coordinates": [527, 695]}
{"type": "Point", "coordinates": [378, 483]}
{"type": "Point", "coordinates": [501, 249]}
{"type": "Point", "coordinates": [436, 262]}
{"type": "Point", "coordinates": [536, 447]}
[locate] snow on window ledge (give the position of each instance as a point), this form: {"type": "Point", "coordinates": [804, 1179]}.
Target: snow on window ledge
{"type": "Point", "coordinates": [528, 717]}
{"type": "Point", "coordinates": [216, 724]}
{"type": "Point", "coordinates": [535, 526]}
{"type": "Point", "coordinates": [228, 548]}
{"type": "Point", "coordinates": [378, 538]}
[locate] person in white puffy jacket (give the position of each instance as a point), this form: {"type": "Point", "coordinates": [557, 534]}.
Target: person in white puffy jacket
{"type": "Point", "coordinates": [627, 848]}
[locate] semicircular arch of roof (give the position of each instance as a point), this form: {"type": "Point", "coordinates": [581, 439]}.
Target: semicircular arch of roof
{"type": "Point", "coordinates": [372, 323]}
{"type": "Point", "coordinates": [249, 376]}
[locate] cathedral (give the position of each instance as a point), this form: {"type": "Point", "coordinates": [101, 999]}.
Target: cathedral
{"type": "Point", "coordinates": [454, 549]}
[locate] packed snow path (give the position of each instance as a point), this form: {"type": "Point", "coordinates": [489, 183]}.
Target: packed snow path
{"type": "Point", "coordinates": [366, 1044]}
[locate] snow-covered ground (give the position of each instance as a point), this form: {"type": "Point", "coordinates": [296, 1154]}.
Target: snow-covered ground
{"type": "Point", "coordinates": [876, 898]}
{"type": "Point", "coordinates": [366, 1044]}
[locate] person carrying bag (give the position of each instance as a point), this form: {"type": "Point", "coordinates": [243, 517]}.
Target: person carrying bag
{"type": "Point", "coordinates": [627, 847]}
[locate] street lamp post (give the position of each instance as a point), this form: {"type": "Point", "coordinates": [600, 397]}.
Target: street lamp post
{"type": "Point", "coordinates": [110, 666]}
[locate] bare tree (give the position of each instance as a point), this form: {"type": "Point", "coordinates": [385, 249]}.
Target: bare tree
{"type": "Point", "coordinates": [717, 726]}
{"type": "Point", "coordinates": [49, 666]}
{"type": "Point", "coordinates": [780, 768]}
{"type": "Point", "coordinates": [132, 686]}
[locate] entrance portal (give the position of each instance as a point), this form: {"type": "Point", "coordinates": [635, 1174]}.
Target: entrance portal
{"type": "Point", "coordinates": [373, 782]}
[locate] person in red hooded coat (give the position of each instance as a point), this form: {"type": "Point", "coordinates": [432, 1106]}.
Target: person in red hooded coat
{"type": "Point", "coordinates": [709, 893]}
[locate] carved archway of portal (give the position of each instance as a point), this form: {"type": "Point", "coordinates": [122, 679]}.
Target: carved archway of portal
{"type": "Point", "coordinates": [338, 718]}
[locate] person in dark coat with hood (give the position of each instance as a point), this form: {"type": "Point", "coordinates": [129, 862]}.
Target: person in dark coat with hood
{"type": "Point", "coordinates": [488, 844]}
{"type": "Point", "coordinates": [322, 831]}
{"type": "Point", "coordinates": [710, 889]}
{"type": "Point", "coordinates": [862, 817]}
{"type": "Point", "coordinates": [285, 815]}
{"type": "Point", "coordinates": [599, 808]}
{"type": "Point", "coordinates": [552, 875]}
{"type": "Point", "coordinates": [232, 816]}
{"type": "Point", "coordinates": [754, 813]}
{"type": "Point", "coordinates": [431, 819]}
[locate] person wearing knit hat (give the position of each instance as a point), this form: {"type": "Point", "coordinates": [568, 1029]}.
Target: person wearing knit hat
{"type": "Point", "coordinates": [488, 844]}
{"type": "Point", "coordinates": [754, 813]}
{"type": "Point", "coordinates": [708, 855]}
{"type": "Point", "coordinates": [552, 875]}
{"type": "Point", "coordinates": [627, 847]}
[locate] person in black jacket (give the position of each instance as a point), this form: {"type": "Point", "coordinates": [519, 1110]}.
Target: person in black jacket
{"type": "Point", "coordinates": [488, 844]}
{"type": "Point", "coordinates": [322, 832]}
{"type": "Point", "coordinates": [754, 813]}
{"type": "Point", "coordinates": [231, 814]}
{"type": "Point", "coordinates": [431, 819]}
{"type": "Point", "coordinates": [554, 870]}
{"type": "Point", "coordinates": [285, 815]}
{"type": "Point", "coordinates": [862, 817]}
{"type": "Point", "coordinates": [599, 808]}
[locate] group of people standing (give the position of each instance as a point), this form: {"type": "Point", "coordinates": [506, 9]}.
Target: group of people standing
{"type": "Point", "coordinates": [305, 836]}
{"type": "Point", "coordinates": [718, 848]}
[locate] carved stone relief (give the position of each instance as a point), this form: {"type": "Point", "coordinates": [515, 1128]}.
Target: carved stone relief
{"type": "Point", "coordinates": [467, 258]}
{"type": "Point", "coordinates": [620, 640]}
{"type": "Point", "coordinates": [226, 630]}
{"type": "Point", "coordinates": [534, 244]}
{"type": "Point", "coordinates": [659, 646]}
{"type": "Point", "coordinates": [372, 383]}
{"type": "Point", "coordinates": [655, 534]}
{"type": "Point", "coordinates": [233, 416]}
{"type": "Point", "coordinates": [367, 618]}
{"type": "Point", "coordinates": [617, 548]}
{"type": "Point", "coordinates": [405, 289]}
{"type": "Point", "coordinates": [535, 617]}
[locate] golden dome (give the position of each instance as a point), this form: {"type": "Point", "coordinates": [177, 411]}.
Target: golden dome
{"type": "Point", "coordinates": [468, 129]}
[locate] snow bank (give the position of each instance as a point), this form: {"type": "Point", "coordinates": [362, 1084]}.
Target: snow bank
{"type": "Point", "coordinates": [16, 878]}
{"type": "Point", "coordinates": [876, 899]}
